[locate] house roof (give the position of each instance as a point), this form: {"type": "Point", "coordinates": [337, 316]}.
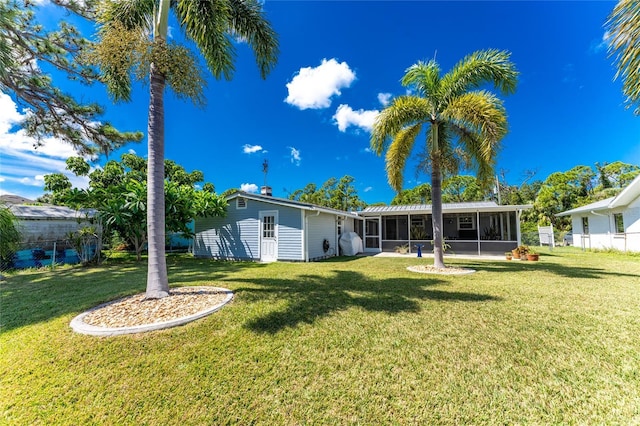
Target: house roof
{"type": "Point", "coordinates": [470, 207]}
{"type": "Point", "coordinates": [290, 203]}
{"type": "Point", "coordinates": [30, 212]}
{"type": "Point", "coordinates": [14, 199]}
{"type": "Point", "coordinates": [628, 194]}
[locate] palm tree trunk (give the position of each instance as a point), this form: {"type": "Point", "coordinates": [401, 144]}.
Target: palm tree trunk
{"type": "Point", "coordinates": [436, 212]}
{"type": "Point", "coordinates": [157, 281]}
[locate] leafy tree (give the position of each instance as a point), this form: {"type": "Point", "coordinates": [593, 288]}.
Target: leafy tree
{"type": "Point", "coordinates": [464, 124]}
{"type": "Point", "coordinates": [308, 194]}
{"type": "Point", "coordinates": [461, 188]}
{"type": "Point", "coordinates": [119, 193]}
{"type": "Point", "coordinates": [623, 37]}
{"type": "Point", "coordinates": [336, 194]}
{"type": "Point", "coordinates": [10, 237]}
{"type": "Point", "coordinates": [616, 175]}
{"type": "Point", "coordinates": [420, 194]}
{"type": "Point", "coordinates": [124, 46]}
{"type": "Point", "coordinates": [563, 191]}
{"type": "Point", "coordinates": [26, 49]}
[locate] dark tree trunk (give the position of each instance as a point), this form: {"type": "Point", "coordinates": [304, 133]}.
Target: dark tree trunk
{"type": "Point", "coordinates": [157, 281]}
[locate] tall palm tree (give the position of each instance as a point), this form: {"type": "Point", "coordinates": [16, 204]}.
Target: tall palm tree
{"type": "Point", "coordinates": [133, 36]}
{"type": "Point", "coordinates": [623, 37]}
{"type": "Point", "coordinates": [463, 124]}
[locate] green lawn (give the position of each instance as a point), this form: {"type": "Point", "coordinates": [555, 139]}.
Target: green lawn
{"type": "Point", "coordinates": [347, 341]}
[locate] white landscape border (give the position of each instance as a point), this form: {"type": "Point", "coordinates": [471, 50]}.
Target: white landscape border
{"type": "Point", "coordinates": [79, 326]}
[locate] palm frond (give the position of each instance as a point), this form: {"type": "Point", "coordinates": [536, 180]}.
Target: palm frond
{"type": "Point", "coordinates": [207, 24]}
{"type": "Point", "coordinates": [398, 152]}
{"type": "Point", "coordinates": [480, 122]}
{"type": "Point", "coordinates": [403, 111]}
{"type": "Point", "coordinates": [249, 23]}
{"type": "Point", "coordinates": [423, 77]}
{"type": "Point", "coordinates": [132, 14]}
{"type": "Point", "coordinates": [623, 38]}
{"type": "Point", "coordinates": [485, 66]}
{"type": "Point", "coordinates": [215, 25]}
{"type": "Point", "coordinates": [478, 112]}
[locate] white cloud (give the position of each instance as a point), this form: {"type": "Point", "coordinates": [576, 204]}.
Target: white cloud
{"type": "Point", "coordinates": [132, 151]}
{"type": "Point", "coordinates": [313, 87]}
{"type": "Point", "coordinates": [249, 187]}
{"type": "Point", "coordinates": [384, 98]}
{"type": "Point", "coordinates": [295, 156]}
{"type": "Point", "coordinates": [345, 116]}
{"type": "Point", "coordinates": [23, 165]}
{"type": "Point", "coordinates": [368, 188]}
{"type": "Point", "coordinates": [250, 149]}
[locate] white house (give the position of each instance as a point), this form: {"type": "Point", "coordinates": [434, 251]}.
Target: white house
{"type": "Point", "coordinates": [613, 223]}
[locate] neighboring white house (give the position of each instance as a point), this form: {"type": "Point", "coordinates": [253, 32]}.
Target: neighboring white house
{"type": "Point", "coordinates": [265, 228]}
{"type": "Point", "coordinates": [613, 223]}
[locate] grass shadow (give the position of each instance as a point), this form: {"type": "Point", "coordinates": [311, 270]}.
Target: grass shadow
{"type": "Point", "coordinates": [34, 296]}
{"type": "Point", "coordinates": [311, 297]}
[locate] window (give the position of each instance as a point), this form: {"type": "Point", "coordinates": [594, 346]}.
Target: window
{"type": "Point", "coordinates": [268, 227]}
{"type": "Point", "coordinates": [390, 230]}
{"type": "Point", "coordinates": [619, 223]}
{"type": "Point", "coordinates": [585, 226]}
{"type": "Point", "coordinates": [394, 228]}
{"type": "Point", "coordinates": [241, 203]}
{"type": "Point", "coordinates": [418, 230]}
{"type": "Point", "coordinates": [466, 221]}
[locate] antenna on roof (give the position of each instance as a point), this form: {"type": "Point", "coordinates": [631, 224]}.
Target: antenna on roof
{"type": "Point", "coordinates": [265, 170]}
{"type": "Point", "coordinates": [265, 190]}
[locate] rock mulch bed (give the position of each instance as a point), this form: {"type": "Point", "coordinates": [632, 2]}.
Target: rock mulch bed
{"type": "Point", "coordinates": [136, 310]}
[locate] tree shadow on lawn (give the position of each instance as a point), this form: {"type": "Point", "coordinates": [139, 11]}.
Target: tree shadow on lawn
{"type": "Point", "coordinates": [541, 265]}
{"type": "Point", "coordinates": [30, 297]}
{"type": "Point", "coordinates": [311, 297]}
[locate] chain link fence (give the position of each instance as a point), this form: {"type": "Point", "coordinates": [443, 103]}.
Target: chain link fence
{"type": "Point", "coordinates": [40, 254]}
{"type": "Point", "coordinates": [532, 238]}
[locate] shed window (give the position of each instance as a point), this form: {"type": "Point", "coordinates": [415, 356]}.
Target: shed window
{"type": "Point", "coordinates": [241, 203]}
{"type": "Point", "coordinates": [619, 223]}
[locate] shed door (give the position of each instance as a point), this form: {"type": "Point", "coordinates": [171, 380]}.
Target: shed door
{"type": "Point", "coordinates": [268, 236]}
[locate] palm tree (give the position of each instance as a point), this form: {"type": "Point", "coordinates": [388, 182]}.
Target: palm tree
{"type": "Point", "coordinates": [463, 124]}
{"type": "Point", "coordinates": [623, 37]}
{"type": "Point", "coordinates": [133, 36]}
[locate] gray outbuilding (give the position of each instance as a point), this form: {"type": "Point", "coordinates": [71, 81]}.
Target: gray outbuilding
{"type": "Point", "coordinates": [267, 229]}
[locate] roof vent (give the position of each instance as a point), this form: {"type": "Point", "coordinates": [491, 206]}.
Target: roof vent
{"type": "Point", "coordinates": [266, 190]}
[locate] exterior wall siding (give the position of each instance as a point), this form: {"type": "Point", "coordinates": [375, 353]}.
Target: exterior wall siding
{"type": "Point", "coordinates": [602, 235]}
{"type": "Point", "coordinates": [320, 228]}
{"type": "Point", "coordinates": [289, 232]}
{"type": "Point", "coordinates": [632, 223]}
{"type": "Point", "coordinates": [237, 235]}
{"type": "Point", "coordinates": [234, 237]}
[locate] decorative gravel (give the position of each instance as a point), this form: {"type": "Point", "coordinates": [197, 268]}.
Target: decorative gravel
{"type": "Point", "coordinates": [430, 269]}
{"type": "Point", "coordinates": [137, 310]}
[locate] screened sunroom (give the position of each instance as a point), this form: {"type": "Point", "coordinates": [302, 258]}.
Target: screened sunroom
{"type": "Point", "coordinates": [481, 228]}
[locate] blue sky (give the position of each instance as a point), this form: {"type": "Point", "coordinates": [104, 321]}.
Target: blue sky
{"type": "Point", "coordinates": [340, 63]}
